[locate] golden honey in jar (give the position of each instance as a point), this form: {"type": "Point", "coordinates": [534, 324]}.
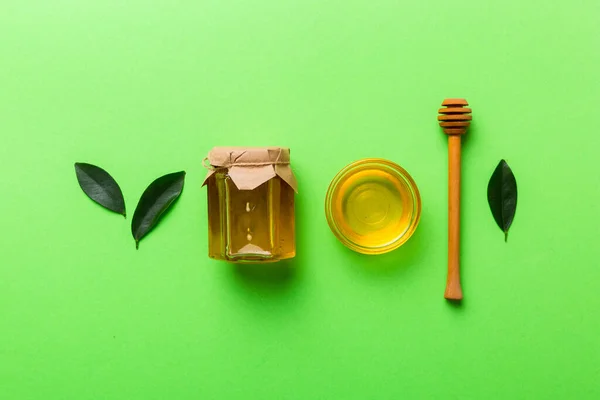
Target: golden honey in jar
{"type": "Point", "coordinates": [250, 204]}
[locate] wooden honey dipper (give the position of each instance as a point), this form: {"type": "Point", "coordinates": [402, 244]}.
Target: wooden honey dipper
{"type": "Point", "coordinates": [455, 118]}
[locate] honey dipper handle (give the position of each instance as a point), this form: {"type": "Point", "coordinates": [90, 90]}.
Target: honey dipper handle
{"type": "Point", "coordinates": [453, 289]}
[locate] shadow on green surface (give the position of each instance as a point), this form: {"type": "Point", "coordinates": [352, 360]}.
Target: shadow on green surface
{"type": "Point", "coordinates": [269, 278]}
{"type": "Point", "coordinates": [455, 304]}
{"type": "Point", "coordinates": [275, 273]}
{"type": "Point", "coordinates": [392, 263]}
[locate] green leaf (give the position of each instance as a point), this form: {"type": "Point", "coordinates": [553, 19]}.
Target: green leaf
{"type": "Point", "coordinates": [100, 187]}
{"type": "Point", "coordinates": [502, 196]}
{"type": "Point", "coordinates": [155, 201]}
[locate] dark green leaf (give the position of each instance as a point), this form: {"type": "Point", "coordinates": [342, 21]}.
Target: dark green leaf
{"type": "Point", "coordinates": [100, 187]}
{"type": "Point", "coordinates": [502, 196]}
{"type": "Point", "coordinates": [155, 201]}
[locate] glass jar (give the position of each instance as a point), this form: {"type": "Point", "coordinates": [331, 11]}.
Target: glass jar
{"type": "Point", "coordinates": [250, 204]}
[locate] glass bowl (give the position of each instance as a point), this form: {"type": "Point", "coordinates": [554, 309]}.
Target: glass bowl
{"type": "Point", "coordinates": [373, 206]}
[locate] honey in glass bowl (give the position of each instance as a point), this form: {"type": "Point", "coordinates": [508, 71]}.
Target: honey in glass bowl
{"type": "Point", "coordinates": [373, 206]}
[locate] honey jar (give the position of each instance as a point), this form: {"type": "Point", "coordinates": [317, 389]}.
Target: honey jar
{"type": "Point", "coordinates": [250, 204]}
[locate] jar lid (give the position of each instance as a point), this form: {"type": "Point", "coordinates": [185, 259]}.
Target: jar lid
{"type": "Point", "coordinates": [250, 167]}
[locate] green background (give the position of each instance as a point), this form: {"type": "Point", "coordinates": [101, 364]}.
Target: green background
{"type": "Point", "coordinates": [143, 88]}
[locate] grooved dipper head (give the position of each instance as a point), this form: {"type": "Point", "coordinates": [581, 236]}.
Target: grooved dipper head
{"type": "Point", "coordinates": [455, 118]}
